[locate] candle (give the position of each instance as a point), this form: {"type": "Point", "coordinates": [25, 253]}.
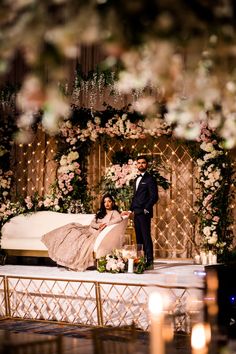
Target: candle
{"type": "Point", "coordinates": [203, 258]}
{"type": "Point", "coordinates": [155, 305]}
{"type": "Point", "coordinates": [130, 265]}
{"type": "Point", "coordinates": [199, 338]}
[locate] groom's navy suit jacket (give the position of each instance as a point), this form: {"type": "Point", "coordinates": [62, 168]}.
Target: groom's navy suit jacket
{"type": "Point", "coordinates": [145, 196]}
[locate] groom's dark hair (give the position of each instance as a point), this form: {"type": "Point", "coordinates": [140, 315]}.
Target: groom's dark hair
{"type": "Point", "coordinates": [142, 157]}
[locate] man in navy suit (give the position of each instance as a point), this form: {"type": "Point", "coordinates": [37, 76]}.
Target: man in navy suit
{"type": "Point", "coordinates": [144, 198]}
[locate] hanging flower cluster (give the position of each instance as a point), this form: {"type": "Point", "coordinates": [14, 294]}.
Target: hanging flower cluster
{"type": "Point", "coordinates": [215, 179]}
{"type": "Point", "coordinates": [116, 126]}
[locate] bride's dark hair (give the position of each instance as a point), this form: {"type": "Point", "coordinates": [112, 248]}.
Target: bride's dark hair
{"type": "Point", "coordinates": [102, 211]}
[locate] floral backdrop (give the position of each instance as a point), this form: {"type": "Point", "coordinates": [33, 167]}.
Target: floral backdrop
{"type": "Point", "coordinates": [69, 193]}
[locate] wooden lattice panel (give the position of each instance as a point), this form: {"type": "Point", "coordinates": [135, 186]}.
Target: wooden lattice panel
{"type": "Point", "coordinates": [34, 165]}
{"type": "Point", "coordinates": [173, 224]}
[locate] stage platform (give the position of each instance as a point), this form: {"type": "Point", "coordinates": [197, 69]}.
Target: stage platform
{"type": "Point", "coordinates": [102, 299]}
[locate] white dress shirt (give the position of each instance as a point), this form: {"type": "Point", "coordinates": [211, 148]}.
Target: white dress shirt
{"type": "Point", "coordinates": [138, 180]}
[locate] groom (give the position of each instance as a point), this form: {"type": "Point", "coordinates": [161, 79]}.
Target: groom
{"type": "Point", "coordinates": [144, 198]}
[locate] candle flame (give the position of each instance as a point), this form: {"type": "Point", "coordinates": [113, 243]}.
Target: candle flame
{"type": "Point", "coordinates": [200, 336]}
{"type": "Point", "coordinates": [155, 303]}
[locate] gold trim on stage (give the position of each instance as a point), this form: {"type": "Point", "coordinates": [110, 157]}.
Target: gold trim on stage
{"type": "Point", "coordinates": [95, 303]}
{"type": "Point", "coordinates": [26, 253]}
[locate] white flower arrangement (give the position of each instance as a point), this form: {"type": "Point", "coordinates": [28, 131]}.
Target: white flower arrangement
{"type": "Point", "coordinates": [215, 178]}
{"type": "Point", "coordinates": [112, 263]}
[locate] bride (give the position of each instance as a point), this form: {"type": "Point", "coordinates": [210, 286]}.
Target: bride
{"type": "Point", "coordinates": [71, 245]}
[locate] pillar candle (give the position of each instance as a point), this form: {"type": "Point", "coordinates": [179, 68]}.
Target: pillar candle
{"type": "Point", "coordinates": [155, 305]}
{"type": "Point", "coordinates": [199, 339]}
{"type": "Point", "coordinates": [130, 265]}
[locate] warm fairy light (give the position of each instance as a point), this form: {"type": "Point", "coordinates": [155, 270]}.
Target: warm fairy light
{"type": "Point", "coordinates": [33, 153]}
{"type": "Point", "coordinates": [52, 150]}
{"type": "Point", "coordinates": [24, 153]}
{"type": "Point", "coordinates": [20, 145]}
{"type": "Point", "coordinates": [173, 153]}
{"type": "Point", "coordinates": [37, 179]}
{"type": "Point", "coordinates": [28, 179]}
{"type": "Point", "coordinates": [38, 143]}
{"type": "Point", "coordinates": [32, 188]}
{"type": "Point", "coordinates": [23, 188]}
{"type": "Point", "coordinates": [48, 142]}
{"type": "Point", "coordinates": [42, 188]}
{"type": "Point", "coordinates": [29, 161]}
{"type": "Point", "coordinates": [29, 145]}
{"type": "Point", "coordinates": [19, 179]}
{"type": "Point", "coordinates": [42, 152]}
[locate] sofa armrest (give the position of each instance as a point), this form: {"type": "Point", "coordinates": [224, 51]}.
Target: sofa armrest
{"type": "Point", "coordinates": [110, 238]}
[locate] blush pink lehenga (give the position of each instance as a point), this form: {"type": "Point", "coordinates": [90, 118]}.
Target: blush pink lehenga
{"type": "Point", "coordinates": [72, 245]}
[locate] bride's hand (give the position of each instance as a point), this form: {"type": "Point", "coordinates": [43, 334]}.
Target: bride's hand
{"type": "Point", "coordinates": [102, 226]}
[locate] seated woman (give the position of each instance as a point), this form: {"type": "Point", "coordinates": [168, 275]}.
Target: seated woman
{"type": "Point", "coordinates": [72, 245]}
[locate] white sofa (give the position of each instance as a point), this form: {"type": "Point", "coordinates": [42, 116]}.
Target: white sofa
{"type": "Point", "coordinates": [21, 235]}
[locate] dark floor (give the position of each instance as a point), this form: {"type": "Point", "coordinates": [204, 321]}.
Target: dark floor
{"type": "Point", "coordinates": [83, 340]}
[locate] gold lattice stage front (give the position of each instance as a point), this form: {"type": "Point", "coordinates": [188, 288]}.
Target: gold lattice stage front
{"type": "Point", "coordinates": [102, 299]}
